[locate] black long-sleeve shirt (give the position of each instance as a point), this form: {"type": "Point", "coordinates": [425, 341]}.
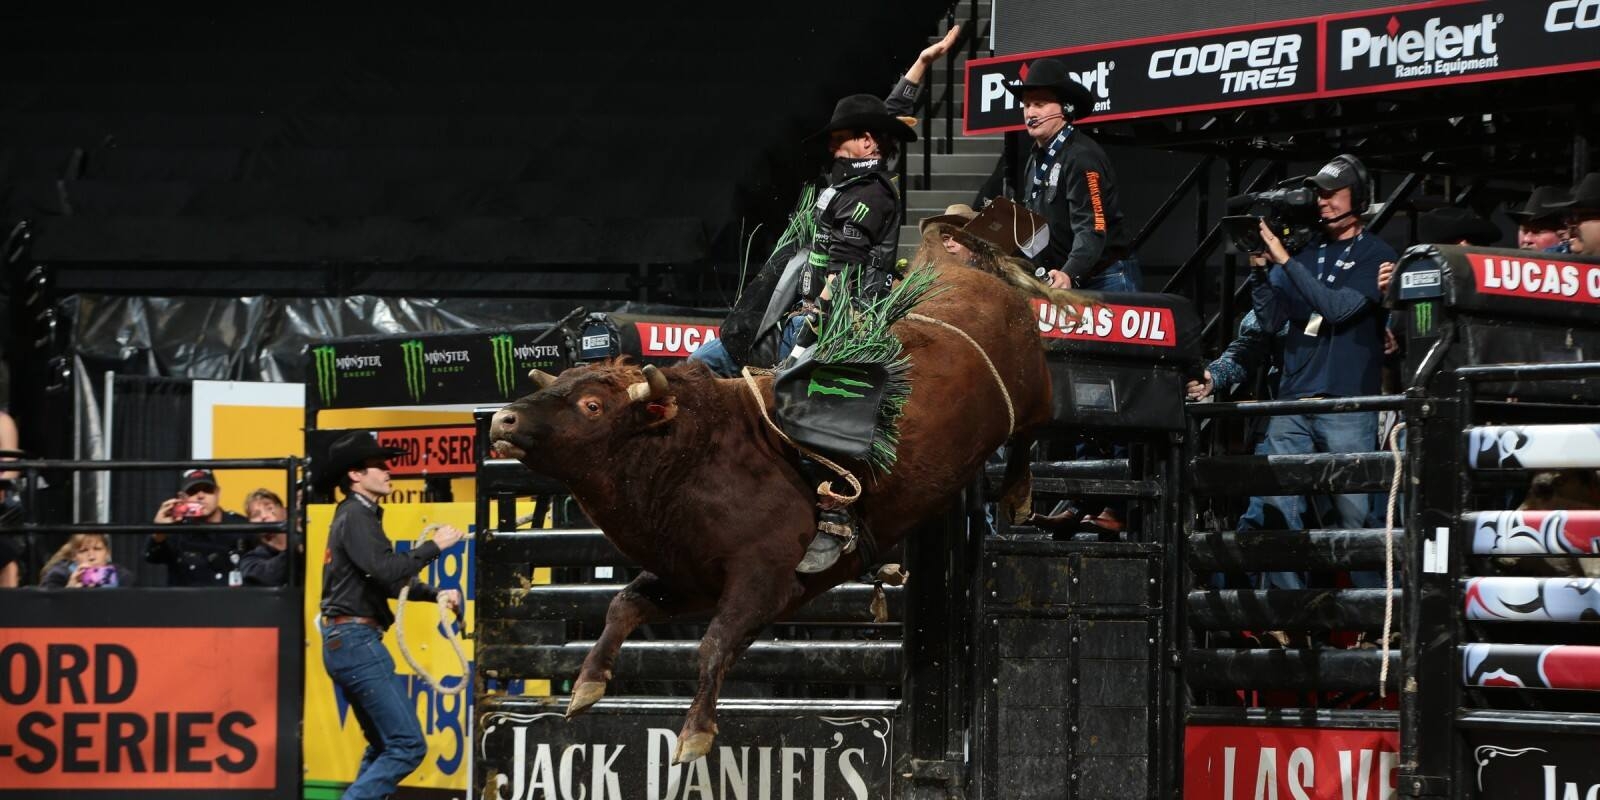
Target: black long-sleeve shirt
{"type": "Point", "coordinates": [265, 566]}
{"type": "Point", "coordinates": [362, 571]}
{"type": "Point", "coordinates": [195, 556]}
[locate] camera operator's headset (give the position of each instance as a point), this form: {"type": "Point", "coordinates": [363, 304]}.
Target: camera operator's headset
{"type": "Point", "coordinates": [1361, 193]}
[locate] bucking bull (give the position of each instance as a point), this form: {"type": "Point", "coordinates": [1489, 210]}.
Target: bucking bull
{"type": "Point", "coordinates": [687, 478]}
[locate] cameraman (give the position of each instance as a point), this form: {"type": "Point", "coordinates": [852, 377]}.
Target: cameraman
{"type": "Point", "coordinates": [193, 556]}
{"type": "Point", "coordinates": [1327, 295]}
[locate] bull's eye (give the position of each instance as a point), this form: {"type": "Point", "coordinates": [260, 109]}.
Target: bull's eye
{"type": "Point", "coordinates": [591, 406]}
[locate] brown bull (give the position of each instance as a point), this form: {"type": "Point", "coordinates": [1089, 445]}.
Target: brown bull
{"type": "Point", "coordinates": [682, 473]}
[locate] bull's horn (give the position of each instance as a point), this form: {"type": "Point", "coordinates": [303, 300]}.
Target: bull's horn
{"type": "Point", "coordinates": [541, 378]}
{"type": "Point", "coordinates": [653, 386]}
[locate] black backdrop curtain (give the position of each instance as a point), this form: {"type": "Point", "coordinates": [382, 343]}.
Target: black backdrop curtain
{"type": "Point", "coordinates": [150, 421]}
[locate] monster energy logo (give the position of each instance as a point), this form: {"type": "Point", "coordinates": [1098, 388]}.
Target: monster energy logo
{"type": "Point", "coordinates": [826, 374]}
{"type": "Point", "coordinates": [327, 373]}
{"type": "Point", "coordinates": [1424, 316]}
{"type": "Point", "coordinates": [505, 366]}
{"type": "Point", "coordinates": [416, 369]}
{"type": "Point", "coordinates": [860, 212]}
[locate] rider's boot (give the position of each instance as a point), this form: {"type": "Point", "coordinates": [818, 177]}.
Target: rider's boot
{"type": "Point", "coordinates": [836, 530]}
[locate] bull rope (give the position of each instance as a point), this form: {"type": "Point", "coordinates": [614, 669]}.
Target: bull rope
{"type": "Point", "coordinates": [445, 619]}
{"type": "Point", "coordinates": [1388, 558]}
{"type": "Point", "coordinates": [826, 488]}
{"type": "Point", "coordinates": [1011, 412]}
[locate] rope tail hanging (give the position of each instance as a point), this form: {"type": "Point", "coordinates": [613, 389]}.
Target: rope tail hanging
{"type": "Point", "coordinates": [1388, 557]}
{"type": "Point", "coordinates": [446, 620]}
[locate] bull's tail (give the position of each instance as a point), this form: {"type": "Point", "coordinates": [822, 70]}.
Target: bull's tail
{"type": "Point", "coordinates": [1015, 272]}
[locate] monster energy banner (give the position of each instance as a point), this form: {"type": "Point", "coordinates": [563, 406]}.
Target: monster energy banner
{"type": "Point", "coordinates": [467, 367]}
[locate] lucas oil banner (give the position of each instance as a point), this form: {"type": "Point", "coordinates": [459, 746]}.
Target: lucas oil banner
{"type": "Point", "coordinates": [1427, 44]}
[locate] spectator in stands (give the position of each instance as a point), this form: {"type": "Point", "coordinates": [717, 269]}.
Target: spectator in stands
{"type": "Point", "coordinates": [194, 556]}
{"type": "Point", "coordinates": [268, 563]}
{"type": "Point", "coordinates": [10, 569]}
{"type": "Point", "coordinates": [767, 316]}
{"type": "Point", "coordinates": [84, 562]}
{"type": "Point", "coordinates": [1069, 181]}
{"type": "Point", "coordinates": [362, 573]}
{"type": "Point", "coordinates": [1583, 216]}
{"type": "Point", "coordinates": [1540, 226]}
{"type": "Point", "coordinates": [1248, 351]}
{"type": "Point", "coordinates": [1327, 294]}
{"type": "Point", "coordinates": [1447, 225]}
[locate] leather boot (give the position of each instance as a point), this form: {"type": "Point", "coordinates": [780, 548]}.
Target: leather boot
{"type": "Point", "coordinates": [836, 531]}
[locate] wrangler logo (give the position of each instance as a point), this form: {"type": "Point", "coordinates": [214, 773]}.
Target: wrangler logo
{"type": "Point", "coordinates": [1094, 200]}
{"type": "Point", "coordinates": [836, 375]}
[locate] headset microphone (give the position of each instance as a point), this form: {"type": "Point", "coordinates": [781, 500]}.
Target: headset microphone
{"type": "Point", "coordinates": [1035, 122]}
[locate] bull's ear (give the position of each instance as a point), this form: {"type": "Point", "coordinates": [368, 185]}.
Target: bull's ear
{"type": "Point", "coordinates": [541, 378]}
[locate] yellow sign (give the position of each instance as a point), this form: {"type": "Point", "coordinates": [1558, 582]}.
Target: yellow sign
{"type": "Point", "coordinates": [333, 742]}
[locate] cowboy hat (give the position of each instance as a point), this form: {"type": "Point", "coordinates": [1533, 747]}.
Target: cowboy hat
{"type": "Point", "coordinates": [1585, 196]}
{"type": "Point", "coordinates": [350, 451]}
{"type": "Point", "coordinates": [865, 112]}
{"type": "Point", "coordinates": [1451, 224]}
{"type": "Point", "coordinates": [957, 216]}
{"type": "Point", "coordinates": [1539, 207]}
{"type": "Point", "coordinates": [1048, 73]}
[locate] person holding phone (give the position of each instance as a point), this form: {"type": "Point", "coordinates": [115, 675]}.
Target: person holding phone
{"type": "Point", "coordinates": [84, 562]}
{"type": "Point", "coordinates": [193, 555]}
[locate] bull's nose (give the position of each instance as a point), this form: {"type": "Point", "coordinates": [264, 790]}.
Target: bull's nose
{"type": "Point", "coordinates": [506, 419]}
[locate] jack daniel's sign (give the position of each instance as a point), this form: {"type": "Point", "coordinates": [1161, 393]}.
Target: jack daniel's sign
{"type": "Point", "coordinates": [1515, 765]}
{"type": "Point", "coordinates": [769, 751]}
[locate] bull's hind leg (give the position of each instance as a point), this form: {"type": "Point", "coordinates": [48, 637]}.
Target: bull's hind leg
{"type": "Point", "coordinates": [749, 603]}
{"type": "Point", "coordinates": [1016, 490]}
{"type": "Point", "coordinates": [643, 601]}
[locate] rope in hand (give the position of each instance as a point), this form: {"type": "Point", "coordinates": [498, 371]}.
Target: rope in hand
{"type": "Point", "coordinates": [1388, 557]}
{"type": "Point", "coordinates": [446, 619]}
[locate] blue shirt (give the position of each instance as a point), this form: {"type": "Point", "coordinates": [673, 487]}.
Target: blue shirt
{"type": "Point", "coordinates": [1328, 296]}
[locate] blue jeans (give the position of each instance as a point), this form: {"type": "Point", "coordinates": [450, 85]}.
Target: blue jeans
{"type": "Point", "coordinates": [357, 662]}
{"type": "Point", "coordinates": [714, 355]}
{"type": "Point", "coordinates": [1313, 433]}
{"type": "Point", "coordinates": [1120, 276]}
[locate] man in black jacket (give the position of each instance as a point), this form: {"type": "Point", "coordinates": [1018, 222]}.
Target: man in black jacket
{"type": "Point", "coordinates": [361, 573]}
{"type": "Point", "coordinates": [1068, 180]}
{"type": "Point", "coordinates": [195, 556]}
{"type": "Point", "coordinates": [763, 325]}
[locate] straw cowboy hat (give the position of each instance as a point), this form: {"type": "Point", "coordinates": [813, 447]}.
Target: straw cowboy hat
{"type": "Point", "coordinates": [956, 216]}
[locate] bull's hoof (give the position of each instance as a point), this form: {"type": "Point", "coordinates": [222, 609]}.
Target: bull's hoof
{"type": "Point", "coordinates": [585, 694]}
{"type": "Point", "coordinates": [693, 746]}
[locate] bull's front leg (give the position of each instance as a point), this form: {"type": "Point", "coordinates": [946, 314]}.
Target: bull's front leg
{"type": "Point", "coordinates": [647, 599]}
{"type": "Point", "coordinates": [748, 603]}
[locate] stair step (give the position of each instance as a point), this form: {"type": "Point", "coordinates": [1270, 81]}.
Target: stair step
{"type": "Point", "coordinates": [947, 180]}
{"type": "Point", "coordinates": [986, 146]}
{"type": "Point", "coordinates": [967, 163]}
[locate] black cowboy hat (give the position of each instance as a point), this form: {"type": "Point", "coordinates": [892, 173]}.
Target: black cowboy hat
{"type": "Point", "coordinates": [350, 451]}
{"type": "Point", "coordinates": [1048, 73]}
{"type": "Point", "coordinates": [1585, 195]}
{"type": "Point", "coordinates": [1539, 205]}
{"type": "Point", "coordinates": [1451, 224]}
{"type": "Point", "coordinates": [865, 112]}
